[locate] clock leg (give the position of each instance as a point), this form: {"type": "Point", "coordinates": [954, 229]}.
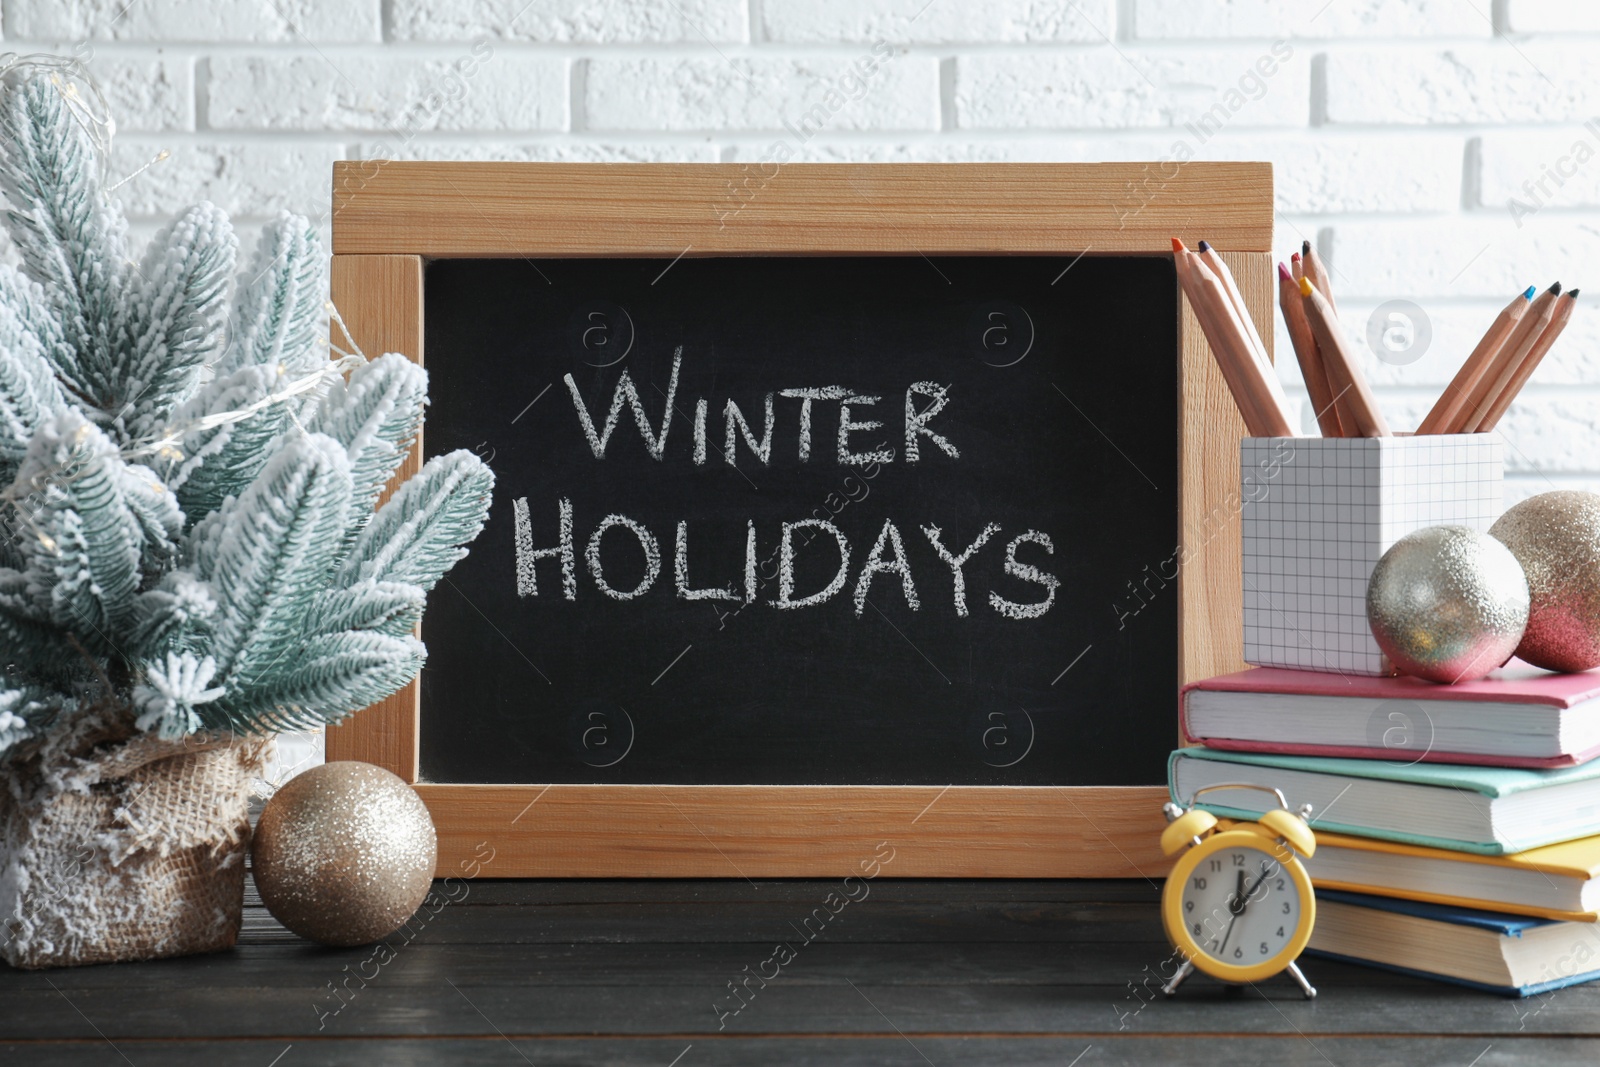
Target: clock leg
{"type": "Point", "coordinates": [1305, 987]}
{"type": "Point", "coordinates": [1183, 972]}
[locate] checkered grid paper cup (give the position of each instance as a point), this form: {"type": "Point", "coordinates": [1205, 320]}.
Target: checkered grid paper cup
{"type": "Point", "coordinates": [1319, 512]}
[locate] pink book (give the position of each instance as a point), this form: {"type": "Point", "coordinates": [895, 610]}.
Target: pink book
{"type": "Point", "coordinates": [1519, 716]}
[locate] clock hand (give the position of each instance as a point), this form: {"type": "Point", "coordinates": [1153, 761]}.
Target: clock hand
{"type": "Point", "coordinates": [1237, 904]}
{"type": "Point", "coordinates": [1229, 932]}
{"type": "Point", "coordinates": [1245, 897]}
{"type": "Point", "coordinates": [1236, 909]}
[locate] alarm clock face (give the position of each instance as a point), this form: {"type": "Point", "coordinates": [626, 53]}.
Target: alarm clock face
{"type": "Point", "coordinates": [1245, 907]}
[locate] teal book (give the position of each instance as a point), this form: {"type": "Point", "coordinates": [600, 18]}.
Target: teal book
{"type": "Point", "coordinates": [1492, 811]}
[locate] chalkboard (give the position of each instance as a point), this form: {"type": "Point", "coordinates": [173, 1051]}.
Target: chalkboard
{"type": "Point", "coordinates": [1062, 400]}
{"type": "Point", "coordinates": [1027, 406]}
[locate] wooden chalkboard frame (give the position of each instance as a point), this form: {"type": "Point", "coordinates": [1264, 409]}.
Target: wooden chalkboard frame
{"type": "Point", "coordinates": [389, 217]}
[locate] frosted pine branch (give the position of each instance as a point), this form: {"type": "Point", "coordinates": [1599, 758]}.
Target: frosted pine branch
{"type": "Point", "coordinates": [241, 579]}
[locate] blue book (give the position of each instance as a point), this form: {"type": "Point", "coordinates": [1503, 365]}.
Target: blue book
{"type": "Point", "coordinates": [1492, 811]}
{"type": "Point", "coordinates": [1507, 954]}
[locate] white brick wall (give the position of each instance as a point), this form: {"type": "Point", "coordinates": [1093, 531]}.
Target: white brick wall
{"type": "Point", "coordinates": [564, 21]}
{"type": "Point", "coordinates": [646, 93]}
{"type": "Point", "coordinates": [833, 21]}
{"type": "Point", "coordinates": [200, 21]}
{"type": "Point", "coordinates": [1107, 89]}
{"type": "Point", "coordinates": [1221, 19]}
{"type": "Point", "coordinates": [1399, 129]}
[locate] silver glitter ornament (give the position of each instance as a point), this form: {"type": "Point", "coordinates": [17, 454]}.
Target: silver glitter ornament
{"type": "Point", "coordinates": [1556, 538]}
{"type": "Point", "coordinates": [344, 853]}
{"type": "Point", "coordinates": [1447, 603]}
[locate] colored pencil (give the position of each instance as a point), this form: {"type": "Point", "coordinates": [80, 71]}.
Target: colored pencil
{"type": "Point", "coordinates": [1454, 398]}
{"type": "Point", "coordinates": [1227, 349]}
{"type": "Point", "coordinates": [1306, 264]}
{"type": "Point", "coordinates": [1280, 414]}
{"type": "Point", "coordinates": [1317, 271]}
{"type": "Point", "coordinates": [1529, 362]}
{"type": "Point", "coordinates": [1504, 365]}
{"type": "Point", "coordinates": [1344, 372]}
{"type": "Point", "coordinates": [1230, 347]}
{"type": "Point", "coordinates": [1214, 262]}
{"type": "Point", "coordinates": [1211, 259]}
{"type": "Point", "coordinates": [1297, 270]}
{"type": "Point", "coordinates": [1308, 355]}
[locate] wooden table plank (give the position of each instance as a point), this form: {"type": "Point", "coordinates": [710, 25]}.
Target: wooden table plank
{"type": "Point", "coordinates": [624, 972]}
{"type": "Point", "coordinates": [528, 912]}
{"type": "Point", "coordinates": [821, 999]}
{"type": "Point", "coordinates": [892, 1051]}
{"type": "Point", "coordinates": [773, 890]}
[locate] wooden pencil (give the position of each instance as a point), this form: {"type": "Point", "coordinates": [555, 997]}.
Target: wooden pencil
{"type": "Point", "coordinates": [1229, 320]}
{"type": "Point", "coordinates": [1454, 399]}
{"type": "Point", "coordinates": [1504, 364]}
{"type": "Point", "coordinates": [1208, 255]}
{"type": "Point", "coordinates": [1311, 266]}
{"type": "Point", "coordinates": [1308, 355]}
{"type": "Point", "coordinates": [1230, 348]}
{"type": "Point", "coordinates": [1214, 263]}
{"type": "Point", "coordinates": [1344, 373]}
{"type": "Point", "coordinates": [1235, 371]}
{"type": "Point", "coordinates": [1341, 402]}
{"type": "Point", "coordinates": [1530, 362]}
{"type": "Point", "coordinates": [1317, 271]}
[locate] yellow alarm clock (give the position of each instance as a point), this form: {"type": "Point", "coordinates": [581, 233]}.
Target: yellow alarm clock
{"type": "Point", "coordinates": [1238, 905]}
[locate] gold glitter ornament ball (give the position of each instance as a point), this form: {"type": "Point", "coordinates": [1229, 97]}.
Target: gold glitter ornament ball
{"type": "Point", "coordinates": [1447, 603]}
{"type": "Point", "coordinates": [344, 853]}
{"type": "Point", "coordinates": [1556, 538]}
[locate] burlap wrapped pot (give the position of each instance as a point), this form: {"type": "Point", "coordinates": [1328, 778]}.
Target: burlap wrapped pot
{"type": "Point", "coordinates": [132, 851]}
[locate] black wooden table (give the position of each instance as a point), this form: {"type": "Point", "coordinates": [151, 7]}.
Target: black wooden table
{"type": "Point", "coordinates": [643, 973]}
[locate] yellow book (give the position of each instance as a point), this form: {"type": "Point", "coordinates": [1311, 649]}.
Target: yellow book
{"type": "Point", "coordinates": [1553, 882]}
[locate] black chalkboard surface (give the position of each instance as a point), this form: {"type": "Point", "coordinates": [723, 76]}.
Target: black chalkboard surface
{"type": "Point", "coordinates": [1013, 396]}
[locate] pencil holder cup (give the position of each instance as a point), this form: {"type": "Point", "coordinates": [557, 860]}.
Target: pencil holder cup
{"type": "Point", "coordinates": [1318, 513]}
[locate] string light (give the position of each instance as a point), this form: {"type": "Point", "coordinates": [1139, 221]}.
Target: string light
{"type": "Point", "coordinates": [88, 108]}
{"type": "Point", "coordinates": [90, 112]}
{"type": "Point", "coordinates": [175, 435]}
{"type": "Point", "coordinates": [161, 157]}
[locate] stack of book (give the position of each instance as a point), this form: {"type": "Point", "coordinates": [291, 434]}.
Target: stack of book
{"type": "Point", "coordinates": [1458, 827]}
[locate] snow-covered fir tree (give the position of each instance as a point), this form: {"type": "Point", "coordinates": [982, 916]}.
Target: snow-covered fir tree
{"type": "Point", "coordinates": [189, 538]}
